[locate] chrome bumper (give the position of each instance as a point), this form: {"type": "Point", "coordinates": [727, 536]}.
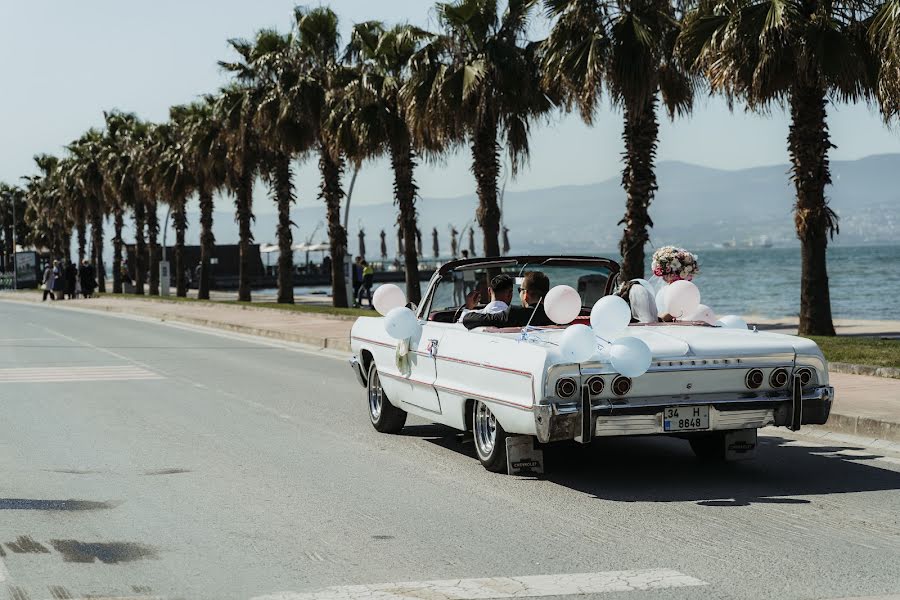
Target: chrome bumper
{"type": "Point", "coordinates": [358, 370]}
{"type": "Point", "coordinates": [644, 416]}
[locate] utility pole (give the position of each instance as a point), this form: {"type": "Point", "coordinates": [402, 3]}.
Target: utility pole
{"type": "Point", "coordinates": [12, 200]}
{"type": "Point", "coordinates": [164, 275]}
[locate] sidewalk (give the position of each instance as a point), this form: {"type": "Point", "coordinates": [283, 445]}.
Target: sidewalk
{"type": "Point", "coordinates": [864, 406]}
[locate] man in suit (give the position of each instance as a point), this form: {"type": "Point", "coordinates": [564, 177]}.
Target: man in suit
{"type": "Point", "coordinates": [534, 287]}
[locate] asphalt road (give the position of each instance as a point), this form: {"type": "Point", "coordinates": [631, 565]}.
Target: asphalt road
{"type": "Point", "coordinates": [144, 459]}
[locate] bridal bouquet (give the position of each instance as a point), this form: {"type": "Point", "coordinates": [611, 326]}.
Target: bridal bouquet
{"type": "Point", "coordinates": [674, 264]}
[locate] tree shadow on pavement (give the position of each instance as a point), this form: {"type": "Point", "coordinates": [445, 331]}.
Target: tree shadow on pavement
{"type": "Point", "coordinates": [659, 469]}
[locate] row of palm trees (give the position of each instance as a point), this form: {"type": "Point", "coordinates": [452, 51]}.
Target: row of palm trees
{"type": "Point", "coordinates": [478, 82]}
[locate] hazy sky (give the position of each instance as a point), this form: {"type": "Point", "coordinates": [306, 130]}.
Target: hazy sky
{"type": "Point", "coordinates": [65, 62]}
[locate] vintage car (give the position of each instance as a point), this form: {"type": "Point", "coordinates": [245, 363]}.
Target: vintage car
{"type": "Point", "coordinates": [711, 385]}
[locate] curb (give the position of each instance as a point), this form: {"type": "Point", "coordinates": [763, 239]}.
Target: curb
{"type": "Point", "coordinates": [860, 427]}
{"type": "Point", "coordinates": [851, 369]}
{"type": "Point", "coordinates": [325, 343]}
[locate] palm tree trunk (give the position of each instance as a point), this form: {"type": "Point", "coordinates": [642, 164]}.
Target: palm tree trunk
{"type": "Point", "coordinates": [152, 246]}
{"type": "Point", "coordinates": [808, 145]}
{"type": "Point", "coordinates": [207, 241]}
{"type": "Point", "coordinates": [97, 251]}
{"type": "Point", "coordinates": [284, 197]}
{"type": "Point", "coordinates": [82, 239]}
{"type": "Point", "coordinates": [117, 251]}
{"type": "Point", "coordinates": [140, 247]}
{"type": "Point", "coordinates": [405, 190]}
{"type": "Point", "coordinates": [332, 193]}
{"type": "Point", "coordinates": [244, 215]}
{"type": "Point", "coordinates": [639, 180]}
{"type": "Point", "coordinates": [179, 218]}
{"type": "Point", "coordinates": [486, 167]}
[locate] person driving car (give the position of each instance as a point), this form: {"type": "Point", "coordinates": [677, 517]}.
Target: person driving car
{"type": "Point", "coordinates": [535, 286]}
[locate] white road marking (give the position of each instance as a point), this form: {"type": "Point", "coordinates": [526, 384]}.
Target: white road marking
{"type": "Point", "coordinates": [75, 374]}
{"type": "Point", "coordinates": [535, 586]}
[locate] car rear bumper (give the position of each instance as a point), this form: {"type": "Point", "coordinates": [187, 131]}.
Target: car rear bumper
{"type": "Point", "coordinates": [558, 421]}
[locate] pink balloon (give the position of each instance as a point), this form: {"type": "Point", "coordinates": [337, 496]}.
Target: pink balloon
{"type": "Point", "coordinates": [562, 304]}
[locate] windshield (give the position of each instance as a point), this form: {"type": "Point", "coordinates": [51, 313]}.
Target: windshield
{"type": "Point", "coordinates": [590, 279]}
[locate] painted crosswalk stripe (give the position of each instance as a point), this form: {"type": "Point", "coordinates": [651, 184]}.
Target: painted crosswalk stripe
{"type": "Point", "coordinates": [533, 586]}
{"type": "Point", "coordinates": [75, 374]}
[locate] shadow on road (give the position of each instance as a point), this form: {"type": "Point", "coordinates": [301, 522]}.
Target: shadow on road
{"type": "Point", "coordinates": [658, 469]}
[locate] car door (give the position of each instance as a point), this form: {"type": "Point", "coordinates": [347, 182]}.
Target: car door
{"type": "Point", "coordinates": [423, 368]}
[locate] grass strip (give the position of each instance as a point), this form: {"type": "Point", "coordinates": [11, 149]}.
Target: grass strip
{"type": "Point", "coordinates": [860, 350]}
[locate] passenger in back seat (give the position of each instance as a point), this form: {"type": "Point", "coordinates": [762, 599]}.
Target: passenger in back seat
{"type": "Point", "coordinates": [532, 291]}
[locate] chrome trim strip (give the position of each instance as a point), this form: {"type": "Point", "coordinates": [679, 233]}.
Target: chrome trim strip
{"type": "Point", "coordinates": [466, 393]}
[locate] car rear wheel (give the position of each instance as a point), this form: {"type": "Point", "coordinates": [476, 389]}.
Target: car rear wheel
{"type": "Point", "coordinates": [490, 438]}
{"type": "Point", "coordinates": [385, 417]}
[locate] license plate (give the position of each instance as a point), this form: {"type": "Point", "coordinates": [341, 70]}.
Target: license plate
{"type": "Point", "coordinates": [686, 418]}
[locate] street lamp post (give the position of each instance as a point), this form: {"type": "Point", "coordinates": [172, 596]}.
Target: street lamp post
{"type": "Point", "coordinates": [164, 264]}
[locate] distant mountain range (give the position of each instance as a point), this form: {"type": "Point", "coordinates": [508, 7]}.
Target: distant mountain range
{"type": "Point", "coordinates": [695, 206]}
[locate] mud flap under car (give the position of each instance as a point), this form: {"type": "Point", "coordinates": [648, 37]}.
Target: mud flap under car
{"type": "Point", "coordinates": [740, 445]}
{"type": "Point", "coordinates": [796, 404]}
{"type": "Point", "coordinates": [522, 458]}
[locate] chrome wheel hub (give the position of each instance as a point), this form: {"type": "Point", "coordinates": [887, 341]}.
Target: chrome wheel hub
{"type": "Point", "coordinates": [376, 396]}
{"type": "Point", "coordinates": [485, 425]}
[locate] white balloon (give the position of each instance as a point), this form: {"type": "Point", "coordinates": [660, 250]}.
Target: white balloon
{"type": "Point", "coordinates": [578, 343]}
{"type": "Point", "coordinates": [388, 297]}
{"type": "Point", "coordinates": [732, 322]}
{"type": "Point", "coordinates": [630, 356]}
{"type": "Point", "coordinates": [562, 304]}
{"type": "Point", "coordinates": [610, 316]}
{"type": "Point", "coordinates": [682, 299]}
{"type": "Point", "coordinates": [401, 323]}
{"type": "Point", "coordinates": [705, 314]}
{"type": "Point", "coordinates": [661, 300]}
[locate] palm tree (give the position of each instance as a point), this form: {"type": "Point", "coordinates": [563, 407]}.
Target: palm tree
{"type": "Point", "coordinates": [479, 82]}
{"type": "Point", "coordinates": [45, 212]}
{"type": "Point", "coordinates": [86, 153]}
{"type": "Point", "coordinates": [628, 48]}
{"type": "Point", "coordinates": [319, 78]}
{"type": "Point", "coordinates": [10, 195]}
{"type": "Point", "coordinates": [377, 117]}
{"type": "Point", "coordinates": [281, 134]}
{"type": "Point", "coordinates": [175, 183]}
{"type": "Point", "coordinates": [884, 36]}
{"type": "Point", "coordinates": [124, 133]}
{"type": "Point", "coordinates": [204, 152]}
{"type": "Point", "coordinates": [74, 200]}
{"type": "Point", "coordinates": [236, 109]}
{"type": "Point", "coordinates": [802, 54]}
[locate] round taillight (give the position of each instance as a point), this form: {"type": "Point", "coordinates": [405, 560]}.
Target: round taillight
{"type": "Point", "coordinates": [778, 378]}
{"type": "Point", "coordinates": [753, 379]}
{"type": "Point", "coordinates": [565, 387]}
{"type": "Point", "coordinates": [621, 385]}
{"type": "Point", "coordinates": [805, 375]}
{"type": "Point", "coordinates": [596, 385]}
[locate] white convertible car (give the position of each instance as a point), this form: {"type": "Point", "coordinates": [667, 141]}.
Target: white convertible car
{"type": "Point", "coordinates": [711, 385]}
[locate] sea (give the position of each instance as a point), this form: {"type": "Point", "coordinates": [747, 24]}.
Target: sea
{"type": "Point", "coordinates": [765, 282]}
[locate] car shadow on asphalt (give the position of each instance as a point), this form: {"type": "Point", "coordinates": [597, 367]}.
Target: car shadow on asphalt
{"type": "Point", "coordinates": [658, 469]}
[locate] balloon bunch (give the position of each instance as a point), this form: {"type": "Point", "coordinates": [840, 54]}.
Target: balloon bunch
{"type": "Point", "coordinates": [610, 317]}
{"type": "Point", "coordinates": [400, 322]}
{"type": "Point", "coordinates": [681, 300]}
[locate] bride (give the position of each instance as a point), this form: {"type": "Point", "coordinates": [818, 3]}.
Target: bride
{"type": "Point", "coordinates": [669, 264]}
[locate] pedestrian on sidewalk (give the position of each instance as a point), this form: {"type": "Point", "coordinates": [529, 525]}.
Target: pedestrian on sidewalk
{"type": "Point", "coordinates": [71, 280]}
{"type": "Point", "coordinates": [87, 279]}
{"type": "Point", "coordinates": [49, 281]}
{"type": "Point", "coordinates": [357, 276]}
{"type": "Point", "coordinates": [365, 288]}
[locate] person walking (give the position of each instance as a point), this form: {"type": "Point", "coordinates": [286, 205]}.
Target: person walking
{"type": "Point", "coordinates": [48, 281]}
{"type": "Point", "coordinates": [87, 278]}
{"type": "Point", "coordinates": [71, 280]}
{"type": "Point", "coordinates": [59, 281]}
{"type": "Point", "coordinates": [365, 288]}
